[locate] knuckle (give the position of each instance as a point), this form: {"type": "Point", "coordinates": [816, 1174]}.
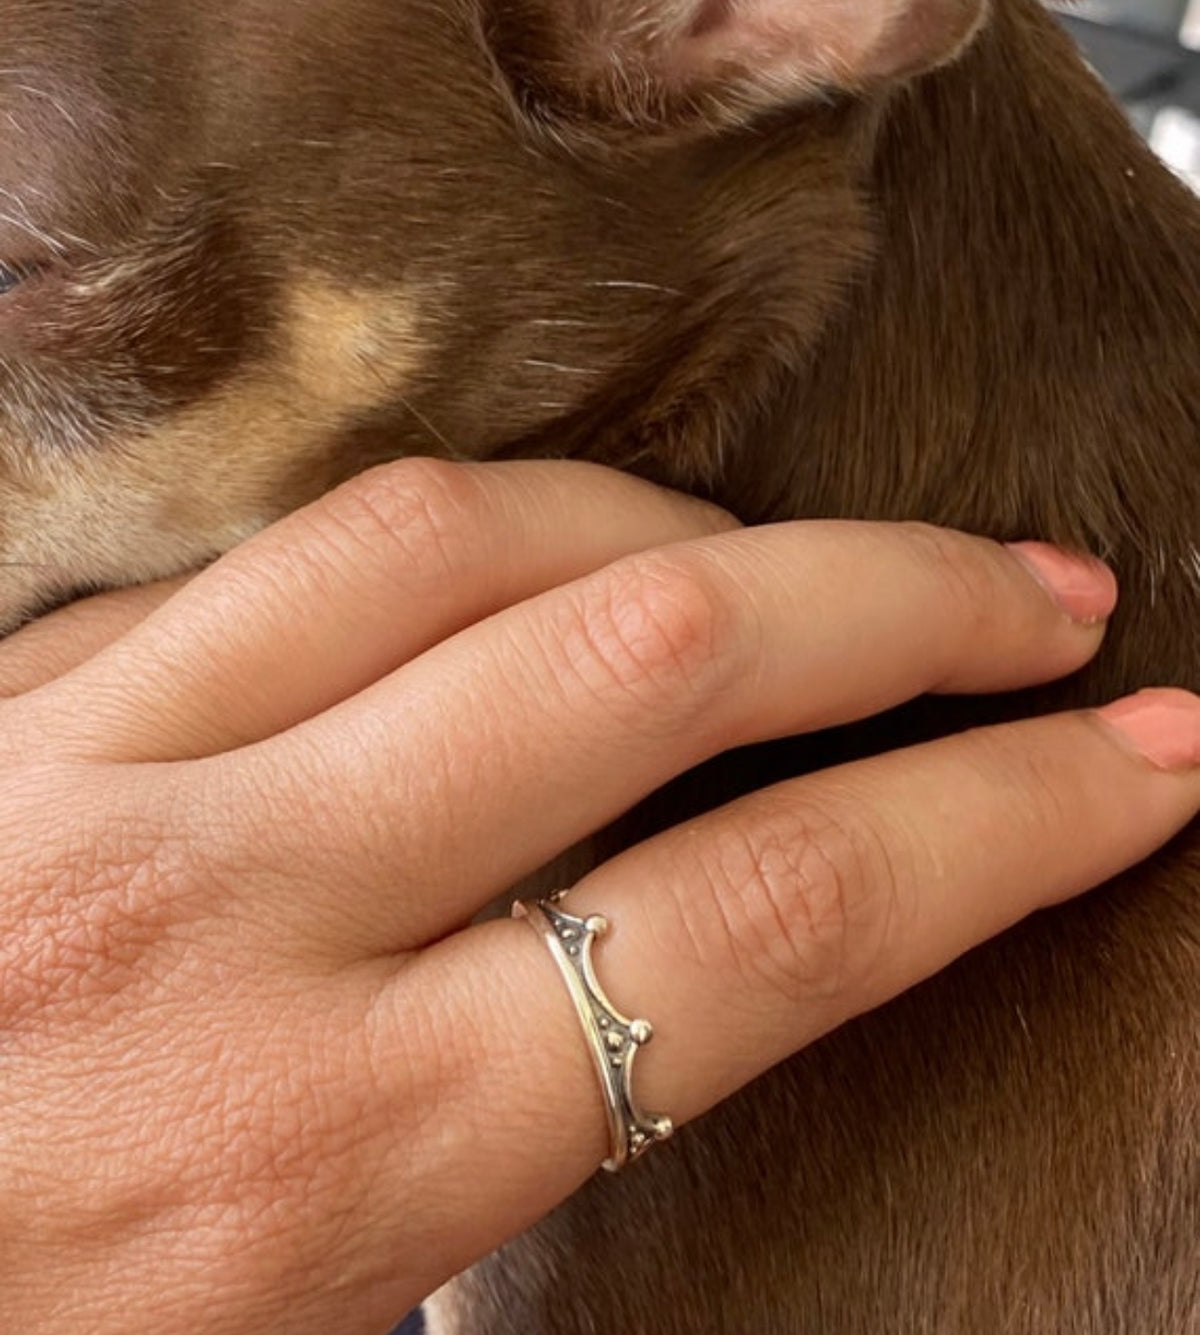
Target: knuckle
{"type": "Point", "coordinates": [657, 631]}
{"type": "Point", "coordinates": [420, 509]}
{"type": "Point", "coordinates": [800, 902]}
{"type": "Point", "coordinates": [80, 921]}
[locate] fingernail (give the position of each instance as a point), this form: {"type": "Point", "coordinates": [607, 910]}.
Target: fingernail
{"type": "Point", "coordinates": [1161, 725]}
{"type": "Point", "coordinates": [1082, 586]}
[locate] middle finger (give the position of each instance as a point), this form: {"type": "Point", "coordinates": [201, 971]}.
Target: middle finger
{"type": "Point", "coordinates": [468, 768]}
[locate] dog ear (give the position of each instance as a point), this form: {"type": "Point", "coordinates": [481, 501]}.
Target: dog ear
{"type": "Point", "coordinates": [656, 62]}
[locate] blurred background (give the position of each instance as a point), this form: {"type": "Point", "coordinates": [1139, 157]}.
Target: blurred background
{"type": "Point", "coordinates": [1148, 51]}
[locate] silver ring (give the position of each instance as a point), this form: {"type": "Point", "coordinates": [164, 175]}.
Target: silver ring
{"type": "Point", "coordinates": [613, 1039]}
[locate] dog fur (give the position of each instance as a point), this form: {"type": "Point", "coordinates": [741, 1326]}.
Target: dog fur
{"type": "Point", "coordinates": [803, 258]}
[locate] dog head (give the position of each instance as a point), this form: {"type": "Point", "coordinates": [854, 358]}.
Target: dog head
{"type": "Point", "coordinates": [250, 247]}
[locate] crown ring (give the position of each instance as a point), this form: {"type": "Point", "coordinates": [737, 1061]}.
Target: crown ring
{"type": "Point", "coordinates": [614, 1040]}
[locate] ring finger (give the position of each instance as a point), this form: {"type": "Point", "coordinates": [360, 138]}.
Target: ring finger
{"type": "Point", "coordinates": [750, 932]}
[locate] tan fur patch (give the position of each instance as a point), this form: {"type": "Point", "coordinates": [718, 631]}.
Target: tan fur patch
{"type": "Point", "coordinates": [352, 350]}
{"type": "Point", "coordinates": [167, 500]}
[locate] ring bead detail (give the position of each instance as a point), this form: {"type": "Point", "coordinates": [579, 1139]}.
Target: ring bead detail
{"type": "Point", "coordinates": [614, 1039]}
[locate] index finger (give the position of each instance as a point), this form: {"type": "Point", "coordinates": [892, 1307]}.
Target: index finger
{"type": "Point", "coordinates": [59, 642]}
{"type": "Point", "coordinates": [333, 597]}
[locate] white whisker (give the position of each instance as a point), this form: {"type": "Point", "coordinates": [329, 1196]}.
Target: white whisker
{"type": "Point", "coordinates": [558, 366]}
{"type": "Point", "coordinates": [54, 102]}
{"type": "Point", "coordinates": [628, 284]}
{"type": "Point", "coordinates": [43, 238]}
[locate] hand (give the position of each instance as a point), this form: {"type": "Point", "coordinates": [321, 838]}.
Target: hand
{"type": "Point", "coordinates": [257, 1074]}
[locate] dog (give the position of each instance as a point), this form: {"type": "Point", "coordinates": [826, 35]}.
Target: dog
{"type": "Point", "coordinates": [888, 259]}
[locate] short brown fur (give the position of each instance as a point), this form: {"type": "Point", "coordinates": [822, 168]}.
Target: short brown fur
{"type": "Point", "coordinates": [970, 298]}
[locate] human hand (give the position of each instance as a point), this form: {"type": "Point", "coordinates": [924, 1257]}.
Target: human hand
{"type": "Point", "coordinates": [258, 1077]}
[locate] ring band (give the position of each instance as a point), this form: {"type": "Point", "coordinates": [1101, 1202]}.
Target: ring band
{"type": "Point", "coordinates": [613, 1039]}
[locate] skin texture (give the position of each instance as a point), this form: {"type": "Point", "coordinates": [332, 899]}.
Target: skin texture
{"type": "Point", "coordinates": [311, 1094]}
{"type": "Point", "coordinates": [967, 298]}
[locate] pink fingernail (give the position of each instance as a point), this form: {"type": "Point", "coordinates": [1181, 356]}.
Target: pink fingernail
{"type": "Point", "coordinates": [1082, 586]}
{"type": "Point", "coordinates": [1161, 725]}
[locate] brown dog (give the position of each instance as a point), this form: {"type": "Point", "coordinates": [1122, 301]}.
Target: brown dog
{"type": "Point", "coordinates": [751, 248]}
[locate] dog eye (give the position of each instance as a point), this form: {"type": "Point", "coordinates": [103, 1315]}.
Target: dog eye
{"type": "Point", "coordinates": [13, 275]}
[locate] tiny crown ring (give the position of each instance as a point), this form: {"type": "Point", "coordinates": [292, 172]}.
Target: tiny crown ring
{"type": "Point", "coordinates": [613, 1039]}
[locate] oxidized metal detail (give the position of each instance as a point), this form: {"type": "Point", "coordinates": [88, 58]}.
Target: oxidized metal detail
{"type": "Point", "coordinates": [613, 1039]}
